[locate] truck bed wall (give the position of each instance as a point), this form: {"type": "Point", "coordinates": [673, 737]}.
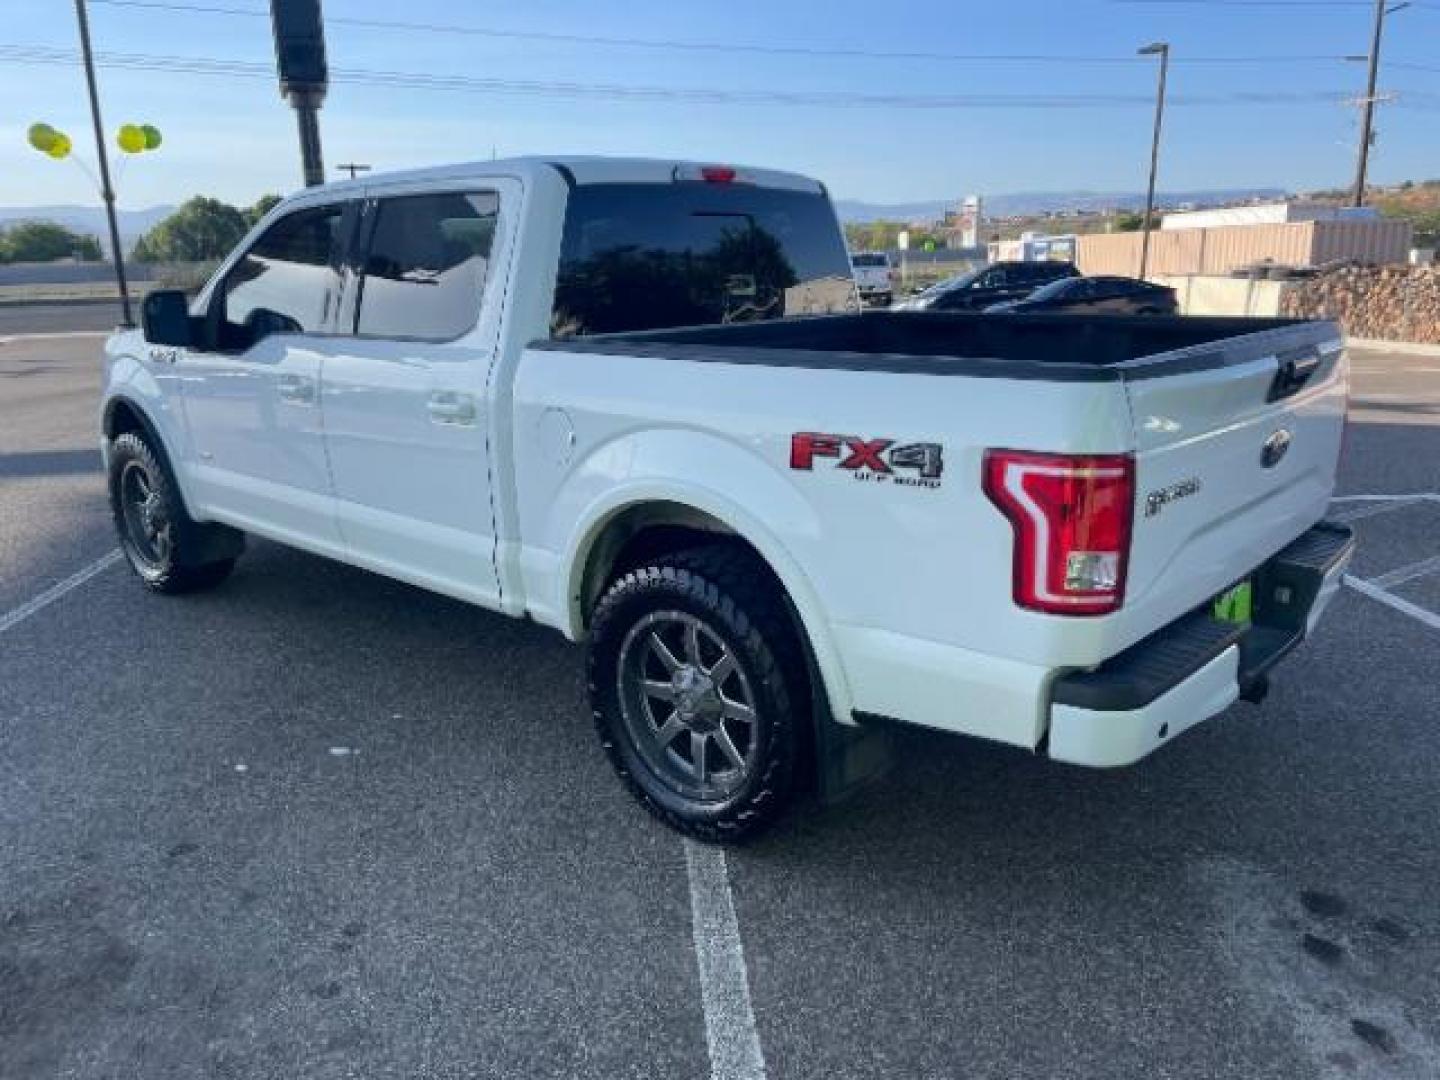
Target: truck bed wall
{"type": "Point", "coordinates": [1090, 340]}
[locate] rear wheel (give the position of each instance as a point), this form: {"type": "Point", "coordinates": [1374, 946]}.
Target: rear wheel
{"type": "Point", "coordinates": [698, 689]}
{"type": "Point", "coordinates": [167, 549]}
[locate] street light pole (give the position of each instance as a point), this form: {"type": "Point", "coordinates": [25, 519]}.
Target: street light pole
{"type": "Point", "coordinates": [107, 191]}
{"type": "Point", "coordinates": [1367, 116]}
{"type": "Point", "coordinates": [1161, 49]}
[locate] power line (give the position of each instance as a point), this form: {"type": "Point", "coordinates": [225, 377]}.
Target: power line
{"type": "Point", "coordinates": [1260, 5]}
{"type": "Point", "coordinates": [41, 54]}
{"type": "Point", "coordinates": [719, 46]}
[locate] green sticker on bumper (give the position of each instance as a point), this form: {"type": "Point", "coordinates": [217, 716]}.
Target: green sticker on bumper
{"type": "Point", "coordinates": [1235, 605]}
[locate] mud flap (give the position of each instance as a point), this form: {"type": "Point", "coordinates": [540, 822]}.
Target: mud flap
{"type": "Point", "coordinates": [849, 757]}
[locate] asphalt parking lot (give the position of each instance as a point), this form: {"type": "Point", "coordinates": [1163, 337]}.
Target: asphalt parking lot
{"type": "Point", "coordinates": [319, 824]}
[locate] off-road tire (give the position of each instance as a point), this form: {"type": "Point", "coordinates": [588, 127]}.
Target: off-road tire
{"type": "Point", "coordinates": [197, 556]}
{"type": "Point", "coordinates": [739, 600]}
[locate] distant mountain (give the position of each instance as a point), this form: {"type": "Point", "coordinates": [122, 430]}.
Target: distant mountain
{"type": "Point", "coordinates": [91, 219]}
{"type": "Point", "coordinates": [1042, 202]}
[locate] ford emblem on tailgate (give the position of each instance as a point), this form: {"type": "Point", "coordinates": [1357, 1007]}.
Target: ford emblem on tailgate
{"type": "Point", "coordinates": [1275, 448]}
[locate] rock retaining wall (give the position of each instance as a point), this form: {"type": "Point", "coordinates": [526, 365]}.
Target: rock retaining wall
{"type": "Point", "coordinates": [1395, 303]}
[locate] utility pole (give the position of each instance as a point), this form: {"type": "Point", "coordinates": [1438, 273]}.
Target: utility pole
{"type": "Point", "coordinates": [352, 168]}
{"type": "Point", "coordinates": [107, 191]}
{"type": "Point", "coordinates": [1367, 116]}
{"type": "Point", "coordinates": [304, 77]}
{"type": "Point", "coordinates": [1162, 50]}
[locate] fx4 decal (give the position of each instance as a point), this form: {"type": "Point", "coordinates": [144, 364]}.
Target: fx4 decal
{"type": "Point", "coordinates": [909, 465]}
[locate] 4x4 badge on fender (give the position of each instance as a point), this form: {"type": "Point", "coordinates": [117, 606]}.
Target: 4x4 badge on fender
{"type": "Point", "coordinates": [871, 459]}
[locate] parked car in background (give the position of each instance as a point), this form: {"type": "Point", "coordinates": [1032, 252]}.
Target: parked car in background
{"type": "Point", "coordinates": [873, 276]}
{"type": "Point", "coordinates": [988, 285]}
{"type": "Point", "coordinates": [1096, 296]}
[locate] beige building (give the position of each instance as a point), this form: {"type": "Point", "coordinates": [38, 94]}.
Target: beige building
{"type": "Point", "coordinates": [1226, 248]}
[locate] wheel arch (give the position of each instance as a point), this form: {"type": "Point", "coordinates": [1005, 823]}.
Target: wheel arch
{"type": "Point", "coordinates": [122, 415]}
{"type": "Point", "coordinates": [641, 524]}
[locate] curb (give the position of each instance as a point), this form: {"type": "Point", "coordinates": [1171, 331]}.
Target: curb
{"type": "Point", "coordinates": [63, 301]}
{"type": "Point", "coordinates": [1380, 345]}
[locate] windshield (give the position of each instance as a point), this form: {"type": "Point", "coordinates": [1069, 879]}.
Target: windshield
{"type": "Point", "coordinates": [862, 261]}
{"type": "Point", "coordinates": [959, 282]}
{"type": "Point", "coordinates": [653, 256]}
{"type": "Point", "coordinates": [1054, 289]}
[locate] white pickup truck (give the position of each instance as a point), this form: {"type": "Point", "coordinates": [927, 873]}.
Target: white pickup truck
{"type": "Point", "coordinates": [635, 401]}
{"type": "Point", "coordinates": [873, 276]}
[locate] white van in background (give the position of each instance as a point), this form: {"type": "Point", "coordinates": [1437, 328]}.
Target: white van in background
{"type": "Point", "coordinates": [873, 277]}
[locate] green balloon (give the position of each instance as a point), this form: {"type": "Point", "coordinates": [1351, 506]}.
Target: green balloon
{"type": "Point", "coordinates": [152, 136]}
{"type": "Point", "coordinates": [41, 136]}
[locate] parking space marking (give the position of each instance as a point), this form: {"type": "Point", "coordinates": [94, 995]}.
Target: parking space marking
{"type": "Point", "coordinates": [1400, 575]}
{"type": "Point", "coordinates": [6, 339]}
{"type": "Point", "coordinates": [56, 591]}
{"type": "Point", "coordinates": [1416, 496]}
{"type": "Point", "coordinates": [1363, 506]}
{"type": "Point", "coordinates": [1415, 611]}
{"type": "Point", "coordinates": [730, 1031]}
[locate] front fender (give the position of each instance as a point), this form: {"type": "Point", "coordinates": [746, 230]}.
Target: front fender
{"type": "Point", "coordinates": [705, 473]}
{"type": "Point", "coordinates": [129, 382]}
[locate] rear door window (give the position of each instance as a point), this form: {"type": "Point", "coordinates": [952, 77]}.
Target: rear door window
{"type": "Point", "coordinates": [425, 267]}
{"type": "Point", "coordinates": [654, 256]}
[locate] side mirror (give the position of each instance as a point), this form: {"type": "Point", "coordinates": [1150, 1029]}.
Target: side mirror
{"type": "Point", "coordinates": [165, 317]}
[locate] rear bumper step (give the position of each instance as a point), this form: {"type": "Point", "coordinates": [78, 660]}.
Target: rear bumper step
{"type": "Point", "coordinates": [1118, 712]}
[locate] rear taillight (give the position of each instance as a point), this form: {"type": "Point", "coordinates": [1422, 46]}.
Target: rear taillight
{"type": "Point", "coordinates": [1071, 515]}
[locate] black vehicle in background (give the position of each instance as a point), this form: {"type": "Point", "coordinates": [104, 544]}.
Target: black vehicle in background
{"type": "Point", "coordinates": [979, 289]}
{"type": "Point", "coordinates": [1097, 296]}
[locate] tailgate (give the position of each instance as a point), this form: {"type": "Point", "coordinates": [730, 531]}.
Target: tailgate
{"type": "Point", "coordinates": [1236, 446]}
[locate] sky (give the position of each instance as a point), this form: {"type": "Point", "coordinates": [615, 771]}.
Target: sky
{"type": "Point", "coordinates": [947, 123]}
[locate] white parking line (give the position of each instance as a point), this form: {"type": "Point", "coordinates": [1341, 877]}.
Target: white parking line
{"type": "Point", "coordinates": [1415, 611]}
{"type": "Point", "coordinates": [56, 591]}
{"type": "Point", "coordinates": [6, 339]}
{"type": "Point", "coordinates": [1356, 507]}
{"type": "Point", "coordinates": [724, 983]}
{"type": "Point", "coordinates": [1417, 496]}
{"type": "Point", "coordinates": [1400, 575]}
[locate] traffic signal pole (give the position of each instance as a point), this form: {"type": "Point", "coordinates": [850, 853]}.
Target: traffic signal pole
{"type": "Point", "coordinates": [304, 76]}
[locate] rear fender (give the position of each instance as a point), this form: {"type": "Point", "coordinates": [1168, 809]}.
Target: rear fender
{"type": "Point", "coordinates": [718, 478]}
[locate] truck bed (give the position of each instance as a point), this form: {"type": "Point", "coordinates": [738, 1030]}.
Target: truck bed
{"type": "Point", "coordinates": [1087, 348]}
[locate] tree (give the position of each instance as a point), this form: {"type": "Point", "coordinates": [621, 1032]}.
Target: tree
{"type": "Point", "coordinates": [200, 229]}
{"type": "Point", "coordinates": [1134, 220]}
{"type": "Point", "coordinates": [46, 241]}
{"type": "Point", "coordinates": [263, 206]}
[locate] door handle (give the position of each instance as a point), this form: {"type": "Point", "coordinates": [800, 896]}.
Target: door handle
{"type": "Point", "coordinates": [296, 389]}
{"type": "Point", "coordinates": [1295, 370]}
{"type": "Point", "coordinates": [451, 407]}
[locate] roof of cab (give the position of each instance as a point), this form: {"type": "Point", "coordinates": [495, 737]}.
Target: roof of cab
{"type": "Point", "coordinates": [576, 169]}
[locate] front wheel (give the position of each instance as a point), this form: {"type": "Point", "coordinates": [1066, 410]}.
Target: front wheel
{"type": "Point", "coordinates": [169, 550]}
{"type": "Point", "coordinates": [698, 688]}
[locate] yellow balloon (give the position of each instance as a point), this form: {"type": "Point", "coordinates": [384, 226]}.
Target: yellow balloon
{"type": "Point", "coordinates": [131, 139]}
{"type": "Point", "coordinates": [152, 136]}
{"type": "Point", "coordinates": [41, 136]}
{"type": "Point", "coordinates": [60, 147]}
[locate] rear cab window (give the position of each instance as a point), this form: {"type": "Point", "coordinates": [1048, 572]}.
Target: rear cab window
{"type": "Point", "coordinates": [657, 256]}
